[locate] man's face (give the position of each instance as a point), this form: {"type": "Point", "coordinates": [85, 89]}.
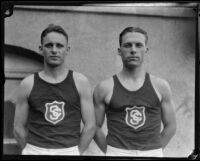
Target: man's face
{"type": "Point", "coordinates": [132, 50]}
{"type": "Point", "coordinates": [54, 48]}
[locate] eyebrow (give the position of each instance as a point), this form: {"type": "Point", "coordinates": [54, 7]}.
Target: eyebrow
{"type": "Point", "coordinates": [57, 43]}
{"type": "Point", "coordinates": [135, 42]}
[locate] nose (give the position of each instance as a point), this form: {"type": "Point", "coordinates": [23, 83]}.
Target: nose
{"type": "Point", "coordinates": [54, 49]}
{"type": "Point", "coordinates": [133, 49]}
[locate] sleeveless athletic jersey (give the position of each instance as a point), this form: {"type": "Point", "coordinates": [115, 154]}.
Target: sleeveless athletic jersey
{"type": "Point", "coordinates": [134, 117]}
{"type": "Point", "coordinates": [55, 114]}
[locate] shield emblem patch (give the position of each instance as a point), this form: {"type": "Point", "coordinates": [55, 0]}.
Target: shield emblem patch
{"type": "Point", "coordinates": [135, 116]}
{"type": "Point", "coordinates": [54, 112]}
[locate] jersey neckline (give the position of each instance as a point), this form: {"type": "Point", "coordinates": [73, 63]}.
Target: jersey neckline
{"type": "Point", "coordinates": [53, 83]}
{"type": "Point", "coordinates": [132, 91]}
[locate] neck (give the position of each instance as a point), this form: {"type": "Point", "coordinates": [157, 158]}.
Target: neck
{"type": "Point", "coordinates": [133, 73]}
{"type": "Point", "coordinates": [55, 72]}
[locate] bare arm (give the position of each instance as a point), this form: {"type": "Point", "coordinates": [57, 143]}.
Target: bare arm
{"type": "Point", "coordinates": [87, 110]}
{"type": "Point", "coordinates": [99, 104]}
{"type": "Point", "coordinates": [21, 113]}
{"type": "Point", "coordinates": [168, 115]}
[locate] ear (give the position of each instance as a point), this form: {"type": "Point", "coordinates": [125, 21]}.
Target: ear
{"type": "Point", "coordinates": [147, 49]}
{"type": "Point", "coordinates": [119, 52]}
{"type": "Point", "coordinates": [40, 48]}
{"type": "Point", "coordinates": [67, 50]}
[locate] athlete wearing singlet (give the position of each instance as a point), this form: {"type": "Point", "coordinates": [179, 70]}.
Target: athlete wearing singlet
{"type": "Point", "coordinates": [55, 114]}
{"type": "Point", "coordinates": [51, 104]}
{"type": "Point", "coordinates": [135, 104]}
{"type": "Point", "coordinates": [133, 117]}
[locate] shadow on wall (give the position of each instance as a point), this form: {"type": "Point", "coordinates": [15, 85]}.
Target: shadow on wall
{"type": "Point", "coordinates": [18, 50]}
{"type": "Point", "coordinates": [9, 111]}
{"type": "Point", "coordinates": [10, 146]}
{"type": "Point", "coordinates": [186, 106]}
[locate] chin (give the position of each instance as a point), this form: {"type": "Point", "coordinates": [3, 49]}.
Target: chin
{"type": "Point", "coordinates": [131, 66]}
{"type": "Point", "coordinates": [53, 64]}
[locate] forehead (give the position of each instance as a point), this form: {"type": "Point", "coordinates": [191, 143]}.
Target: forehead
{"type": "Point", "coordinates": [54, 37]}
{"type": "Point", "coordinates": [133, 37]}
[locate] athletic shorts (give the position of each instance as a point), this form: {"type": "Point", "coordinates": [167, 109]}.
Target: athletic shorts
{"type": "Point", "coordinates": [34, 150]}
{"type": "Point", "coordinates": [112, 151]}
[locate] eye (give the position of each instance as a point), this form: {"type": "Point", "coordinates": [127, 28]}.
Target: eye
{"type": "Point", "coordinates": [139, 45]}
{"type": "Point", "coordinates": [59, 45]}
{"type": "Point", "coordinates": [127, 45]}
{"type": "Point", "coordinates": [49, 45]}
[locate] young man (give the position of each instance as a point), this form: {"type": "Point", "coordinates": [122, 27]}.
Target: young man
{"type": "Point", "coordinates": [51, 103]}
{"type": "Point", "coordinates": [135, 103]}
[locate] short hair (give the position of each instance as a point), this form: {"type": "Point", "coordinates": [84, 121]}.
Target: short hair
{"type": "Point", "coordinates": [132, 29]}
{"type": "Point", "coordinates": [53, 28]}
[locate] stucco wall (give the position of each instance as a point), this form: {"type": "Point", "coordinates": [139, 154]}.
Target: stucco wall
{"type": "Point", "coordinates": [93, 38]}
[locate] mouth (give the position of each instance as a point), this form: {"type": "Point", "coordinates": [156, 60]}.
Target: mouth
{"type": "Point", "coordinates": [133, 58]}
{"type": "Point", "coordinates": [54, 57]}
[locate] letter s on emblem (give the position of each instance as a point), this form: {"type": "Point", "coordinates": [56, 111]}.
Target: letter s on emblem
{"type": "Point", "coordinates": [54, 112]}
{"type": "Point", "coordinates": [135, 116]}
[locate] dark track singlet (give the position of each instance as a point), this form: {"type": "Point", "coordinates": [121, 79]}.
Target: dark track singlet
{"type": "Point", "coordinates": [55, 114]}
{"type": "Point", "coordinates": [134, 117]}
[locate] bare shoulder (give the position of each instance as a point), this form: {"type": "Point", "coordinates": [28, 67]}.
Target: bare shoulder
{"type": "Point", "coordinates": [79, 77]}
{"type": "Point", "coordinates": [81, 81]}
{"type": "Point", "coordinates": [103, 90]}
{"type": "Point", "coordinates": [82, 84]}
{"type": "Point", "coordinates": [160, 82]}
{"type": "Point", "coordinates": [160, 85]}
{"type": "Point", "coordinates": [27, 81]}
{"type": "Point", "coordinates": [106, 85]}
{"type": "Point", "coordinates": [26, 85]}
{"type": "Point", "coordinates": [23, 89]}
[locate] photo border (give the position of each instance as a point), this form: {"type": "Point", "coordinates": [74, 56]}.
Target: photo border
{"type": "Point", "coordinates": [7, 11]}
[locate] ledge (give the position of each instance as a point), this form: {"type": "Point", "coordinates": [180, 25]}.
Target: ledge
{"type": "Point", "coordinates": [23, 52]}
{"type": "Point", "coordinates": [180, 11]}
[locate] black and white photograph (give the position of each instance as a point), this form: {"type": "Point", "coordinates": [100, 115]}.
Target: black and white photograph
{"type": "Point", "coordinates": [100, 79]}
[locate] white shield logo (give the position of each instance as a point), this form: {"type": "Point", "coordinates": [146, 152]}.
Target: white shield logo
{"type": "Point", "coordinates": [135, 116]}
{"type": "Point", "coordinates": [54, 112]}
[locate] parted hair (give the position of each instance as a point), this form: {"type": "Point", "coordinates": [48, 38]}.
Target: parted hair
{"type": "Point", "coordinates": [132, 29]}
{"type": "Point", "coordinates": [53, 28]}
